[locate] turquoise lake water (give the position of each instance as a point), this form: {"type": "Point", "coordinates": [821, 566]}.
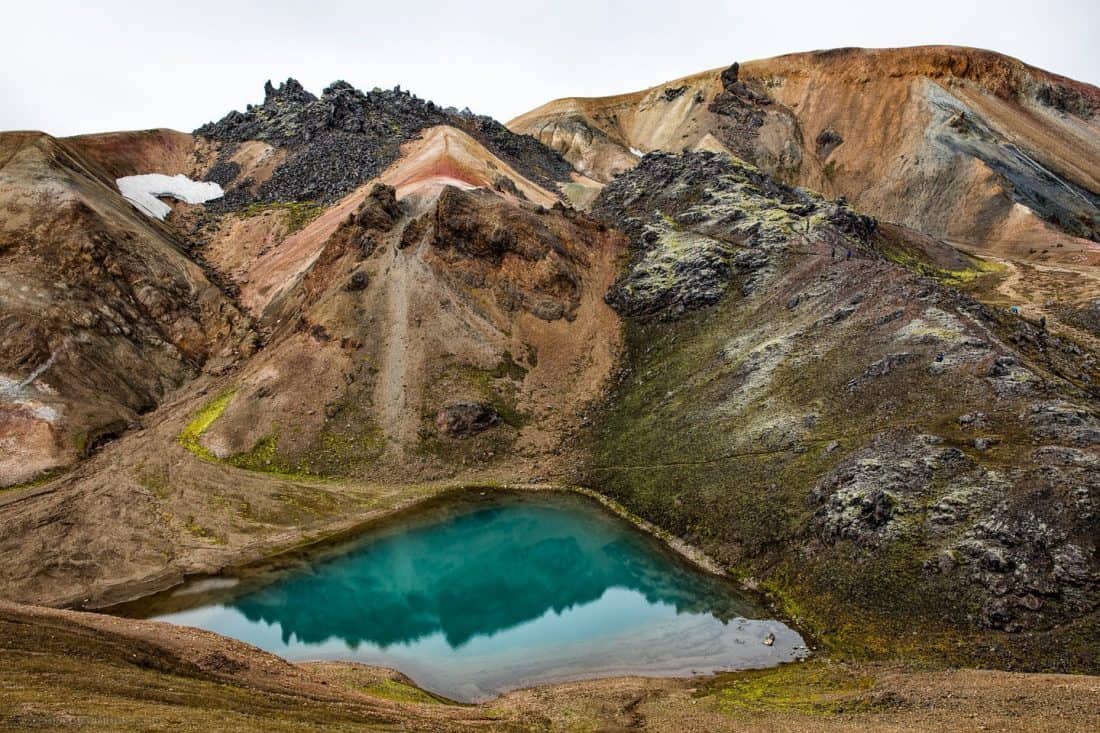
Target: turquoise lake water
{"type": "Point", "coordinates": [479, 595]}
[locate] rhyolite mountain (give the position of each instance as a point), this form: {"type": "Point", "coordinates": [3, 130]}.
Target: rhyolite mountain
{"type": "Point", "coordinates": [957, 143]}
{"type": "Point", "coordinates": [765, 308]}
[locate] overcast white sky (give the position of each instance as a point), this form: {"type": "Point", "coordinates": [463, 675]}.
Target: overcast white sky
{"type": "Point", "coordinates": [72, 67]}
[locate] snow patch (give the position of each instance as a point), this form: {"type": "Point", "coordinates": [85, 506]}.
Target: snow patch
{"type": "Point", "coordinates": [142, 191]}
{"type": "Point", "coordinates": [637, 152]}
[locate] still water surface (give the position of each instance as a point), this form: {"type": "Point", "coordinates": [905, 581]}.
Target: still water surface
{"type": "Point", "coordinates": [475, 596]}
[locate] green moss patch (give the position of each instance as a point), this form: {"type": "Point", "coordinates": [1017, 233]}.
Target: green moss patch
{"type": "Point", "coordinates": [962, 278]}
{"type": "Point", "coordinates": [43, 478]}
{"type": "Point", "coordinates": [817, 688]}
{"type": "Point", "coordinates": [348, 441]}
{"type": "Point", "coordinates": [401, 692]}
{"type": "Point", "coordinates": [296, 214]}
{"type": "Point", "coordinates": [264, 457]}
{"type": "Point", "coordinates": [190, 437]}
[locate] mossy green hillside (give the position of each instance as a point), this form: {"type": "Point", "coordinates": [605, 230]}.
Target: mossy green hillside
{"type": "Point", "coordinates": [723, 440]}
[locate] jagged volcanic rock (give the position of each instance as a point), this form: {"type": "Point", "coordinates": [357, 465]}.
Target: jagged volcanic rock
{"type": "Point", "coordinates": [729, 218]}
{"type": "Point", "coordinates": [463, 419]}
{"type": "Point", "coordinates": [346, 137]}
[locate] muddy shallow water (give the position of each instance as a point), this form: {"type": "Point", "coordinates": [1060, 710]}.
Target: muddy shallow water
{"type": "Point", "coordinates": [475, 595]}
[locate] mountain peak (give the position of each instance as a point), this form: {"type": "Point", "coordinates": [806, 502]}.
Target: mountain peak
{"type": "Point", "coordinates": [290, 92]}
{"type": "Point", "coordinates": [347, 136]}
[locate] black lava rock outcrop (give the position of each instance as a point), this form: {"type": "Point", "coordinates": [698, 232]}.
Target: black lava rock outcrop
{"type": "Point", "coordinates": [739, 100]}
{"type": "Point", "coordinates": [700, 221]}
{"type": "Point", "coordinates": [827, 141]}
{"type": "Point", "coordinates": [464, 419]}
{"type": "Point", "coordinates": [379, 209]}
{"type": "Point", "coordinates": [346, 136]}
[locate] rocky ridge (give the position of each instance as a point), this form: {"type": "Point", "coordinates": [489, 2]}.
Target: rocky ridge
{"type": "Point", "coordinates": [734, 218]}
{"type": "Point", "coordinates": [346, 137]}
{"type": "Point", "coordinates": [961, 144]}
{"type": "Point", "coordinates": [821, 417]}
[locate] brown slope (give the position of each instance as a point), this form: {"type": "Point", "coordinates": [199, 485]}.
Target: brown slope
{"type": "Point", "coordinates": [471, 291]}
{"type": "Point", "coordinates": [101, 313]}
{"type": "Point", "coordinates": [923, 137]}
{"type": "Point", "coordinates": [379, 315]}
{"type": "Point", "coordinates": [135, 152]}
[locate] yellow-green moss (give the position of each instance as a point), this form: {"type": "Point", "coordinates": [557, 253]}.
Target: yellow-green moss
{"type": "Point", "coordinates": [190, 437]}
{"type": "Point", "coordinates": [346, 442]}
{"type": "Point", "coordinates": [261, 457]}
{"type": "Point", "coordinates": [816, 688]}
{"type": "Point", "coordinates": [959, 278]}
{"type": "Point", "coordinates": [43, 478]}
{"type": "Point", "coordinates": [350, 441]}
{"type": "Point", "coordinates": [401, 692]}
{"type": "Point", "coordinates": [264, 457]}
{"type": "Point", "coordinates": [296, 214]}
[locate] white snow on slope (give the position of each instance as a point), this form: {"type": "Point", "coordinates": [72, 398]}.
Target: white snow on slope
{"type": "Point", "coordinates": [142, 192]}
{"type": "Point", "coordinates": [637, 152]}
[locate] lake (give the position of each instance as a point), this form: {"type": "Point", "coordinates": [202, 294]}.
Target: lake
{"type": "Point", "coordinates": [481, 593]}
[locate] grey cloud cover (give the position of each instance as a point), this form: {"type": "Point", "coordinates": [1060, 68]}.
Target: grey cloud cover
{"type": "Point", "coordinates": [73, 67]}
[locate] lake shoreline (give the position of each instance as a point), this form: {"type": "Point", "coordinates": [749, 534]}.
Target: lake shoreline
{"type": "Point", "coordinates": [481, 590]}
{"type": "Point", "coordinates": [251, 560]}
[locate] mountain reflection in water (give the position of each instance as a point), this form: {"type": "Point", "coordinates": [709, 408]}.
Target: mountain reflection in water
{"type": "Point", "coordinates": [479, 573]}
{"type": "Point", "coordinates": [474, 597]}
